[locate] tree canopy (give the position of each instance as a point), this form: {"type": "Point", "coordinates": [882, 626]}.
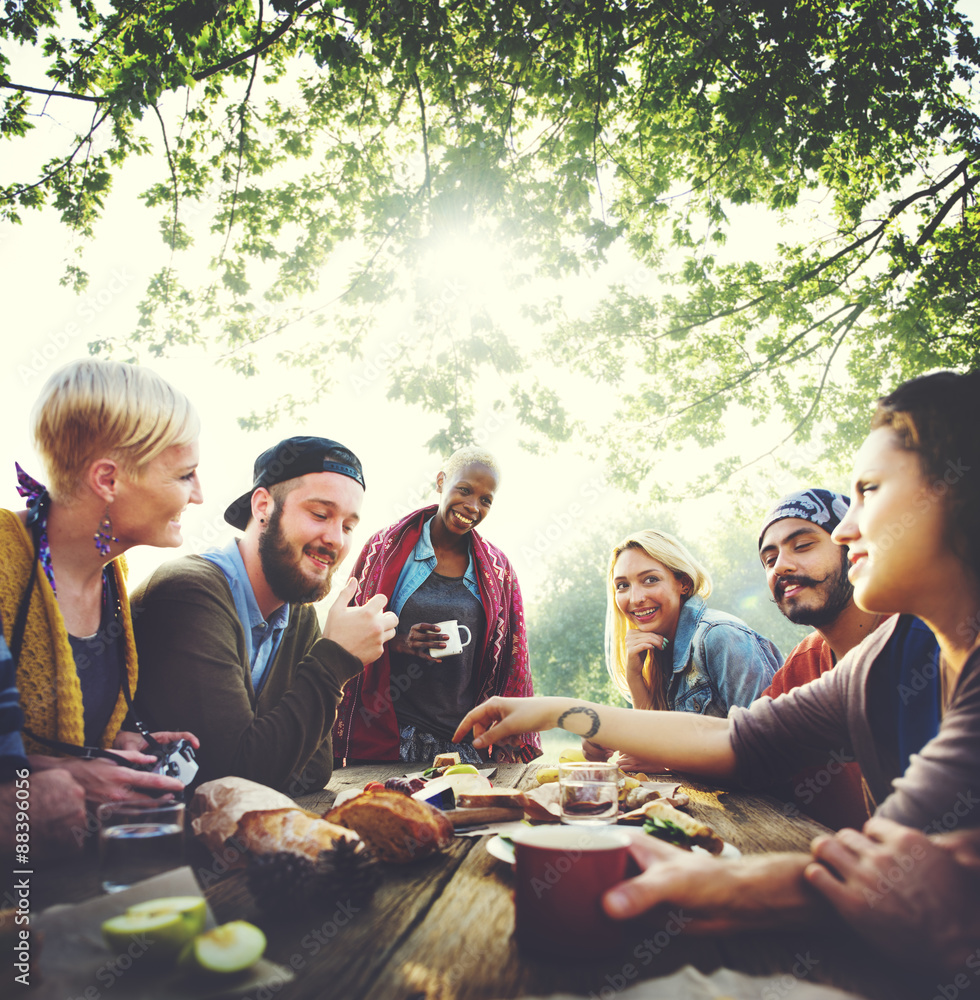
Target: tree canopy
{"type": "Point", "coordinates": [303, 138]}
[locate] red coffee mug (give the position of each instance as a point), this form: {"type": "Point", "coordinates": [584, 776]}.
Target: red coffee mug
{"type": "Point", "coordinates": [562, 872]}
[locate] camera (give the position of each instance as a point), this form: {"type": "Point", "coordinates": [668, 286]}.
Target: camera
{"type": "Point", "coordinates": [175, 760]}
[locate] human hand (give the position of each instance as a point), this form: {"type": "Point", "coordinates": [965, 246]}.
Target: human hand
{"type": "Point", "coordinates": [592, 751]}
{"type": "Point", "coordinates": [716, 895]}
{"type": "Point", "coordinates": [126, 740]}
{"type": "Point", "coordinates": [57, 814]}
{"type": "Point", "coordinates": [911, 897]}
{"type": "Point", "coordinates": [638, 644]}
{"type": "Point", "coordinates": [499, 720]}
{"type": "Point", "coordinates": [419, 640]}
{"type": "Point", "coordinates": [104, 781]}
{"type": "Point", "coordinates": [361, 629]}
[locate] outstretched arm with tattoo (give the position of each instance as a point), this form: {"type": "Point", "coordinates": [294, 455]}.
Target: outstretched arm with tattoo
{"type": "Point", "coordinates": [696, 744]}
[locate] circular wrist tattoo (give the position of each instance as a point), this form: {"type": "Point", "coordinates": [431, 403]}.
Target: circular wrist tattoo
{"type": "Point", "coordinates": [590, 712]}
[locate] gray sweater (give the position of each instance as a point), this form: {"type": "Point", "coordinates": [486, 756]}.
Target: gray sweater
{"type": "Point", "coordinates": [832, 718]}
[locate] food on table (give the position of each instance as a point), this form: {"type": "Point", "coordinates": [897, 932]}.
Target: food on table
{"type": "Point", "coordinates": [445, 759]}
{"type": "Point", "coordinates": [165, 925]}
{"type": "Point", "coordinates": [546, 775]}
{"type": "Point", "coordinates": [670, 824]}
{"type": "Point", "coordinates": [638, 796]}
{"type": "Point", "coordinates": [372, 785]}
{"type": "Point", "coordinates": [237, 818]}
{"type": "Point", "coordinates": [505, 797]}
{"type": "Point", "coordinates": [225, 950]}
{"type": "Point", "coordinates": [294, 830]}
{"type": "Point", "coordinates": [285, 881]}
{"type": "Point", "coordinates": [396, 827]}
{"type": "Point", "coordinates": [461, 769]}
{"type": "Point", "coordinates": [571, 755]}
{"type": "Point", "coordinates": [407, 786]}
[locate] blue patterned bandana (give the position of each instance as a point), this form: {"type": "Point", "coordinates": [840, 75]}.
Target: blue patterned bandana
{"type": "Point", "coordinates": [822, 507]}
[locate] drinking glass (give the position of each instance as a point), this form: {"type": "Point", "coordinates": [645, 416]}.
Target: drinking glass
{"type": "Point", "coordinates": [138, 840]}
{"type": "Point", "coordinates": [589, 792]}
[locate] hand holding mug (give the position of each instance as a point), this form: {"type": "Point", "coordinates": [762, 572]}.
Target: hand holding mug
{"type": "Point", "coordinates": [420, 640]}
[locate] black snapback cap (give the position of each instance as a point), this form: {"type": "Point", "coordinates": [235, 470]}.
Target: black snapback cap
{"type": "Point", "coordinates": [291, 458]}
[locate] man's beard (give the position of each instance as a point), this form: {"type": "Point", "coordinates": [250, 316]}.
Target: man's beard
{"type": "Point", "coordinates": [279, 564]}
{"type": "Point", "coordinates": [838, 597]}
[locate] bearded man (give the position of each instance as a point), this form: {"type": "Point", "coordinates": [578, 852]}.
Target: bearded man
{"type": "Point", "coordinates": [807, 576]}
{"type": "Point", "coordinates": [229, 638]}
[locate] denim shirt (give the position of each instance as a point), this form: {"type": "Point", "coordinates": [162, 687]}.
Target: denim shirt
{"type": "Point", "coordinates": [262, 637]}
{"type": "Point", "coordinates": [420, 565]}
{"type": "Point", "coordinates": [718, 661]}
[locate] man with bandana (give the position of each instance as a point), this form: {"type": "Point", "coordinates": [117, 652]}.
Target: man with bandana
{"type": "Point", "coordinates": [230, 640]}
{"type": "Point", "coordinates": [807, 576]}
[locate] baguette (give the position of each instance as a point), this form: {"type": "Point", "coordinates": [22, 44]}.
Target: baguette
{"type": "Point", "coordinates": [698, 834]}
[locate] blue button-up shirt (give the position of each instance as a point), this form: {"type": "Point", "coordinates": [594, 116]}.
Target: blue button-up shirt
{"type": "Point", "coordinates": [420, 565]}
{"type": "Point", "coordinates": [262, 636]}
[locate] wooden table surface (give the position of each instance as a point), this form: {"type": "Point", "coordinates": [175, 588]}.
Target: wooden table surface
{"type": "Point", "coordinates": [441, 928]}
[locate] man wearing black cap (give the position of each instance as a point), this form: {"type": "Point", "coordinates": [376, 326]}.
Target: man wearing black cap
{"type": "Point", "coordinates": [807, 576]}
{"type": "Point", "coordinates": [229, 639]}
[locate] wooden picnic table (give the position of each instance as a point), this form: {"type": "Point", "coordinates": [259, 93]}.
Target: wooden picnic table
{"type": "Point", "coordinates": [441, 928]}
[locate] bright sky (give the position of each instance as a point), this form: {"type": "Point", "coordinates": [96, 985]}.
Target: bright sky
{"type": "Point", "coordinates": [540, 506]}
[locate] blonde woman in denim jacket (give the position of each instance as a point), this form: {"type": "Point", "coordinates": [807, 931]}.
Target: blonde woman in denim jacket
{"type": "Point", "coordinates": [665, 648]}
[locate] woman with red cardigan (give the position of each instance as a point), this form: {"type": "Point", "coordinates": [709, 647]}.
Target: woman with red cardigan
{"type": "Point", "coordinates": [435, 567]}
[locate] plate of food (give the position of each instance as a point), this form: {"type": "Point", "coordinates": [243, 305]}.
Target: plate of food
{"type": "Point", "coordinates": [502, 848]}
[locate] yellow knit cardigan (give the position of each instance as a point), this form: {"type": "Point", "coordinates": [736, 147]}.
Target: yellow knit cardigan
{"type": "Point", "coordinates": [50, 692]}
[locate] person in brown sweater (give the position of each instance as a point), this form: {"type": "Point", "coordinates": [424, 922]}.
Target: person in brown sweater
{"type": "Point", "coordinates": [229, 639]}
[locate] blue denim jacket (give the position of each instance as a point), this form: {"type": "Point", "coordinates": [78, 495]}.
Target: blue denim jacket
{"type": "Point", "coordinates": [418, 568]}
{"type": "Point", "coordinates": [718, 661]}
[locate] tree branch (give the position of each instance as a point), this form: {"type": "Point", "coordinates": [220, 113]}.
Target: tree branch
{"type": "Point", "coordinates": [260, 46]}
{"type": "Point", "coordinates": [53, 93]}
{"type": "Point", "coordinates": [427, 184]}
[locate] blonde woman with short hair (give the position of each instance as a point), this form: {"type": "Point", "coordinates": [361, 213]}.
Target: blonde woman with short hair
{"type": "Point", "coordinates": [665, 648]}
{"type": "Point", "coordinates": [120, 448]}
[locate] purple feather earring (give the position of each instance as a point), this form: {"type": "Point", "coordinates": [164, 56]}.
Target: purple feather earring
{"type": "Point", "coordinates": [104, 537]}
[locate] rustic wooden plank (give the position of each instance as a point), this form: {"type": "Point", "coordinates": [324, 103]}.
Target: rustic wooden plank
{"type": "Point", "coordinates": [755, 824]}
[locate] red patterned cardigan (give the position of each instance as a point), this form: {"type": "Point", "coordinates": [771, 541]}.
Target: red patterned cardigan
{"type": "Point", "coordinates": [366, 728]}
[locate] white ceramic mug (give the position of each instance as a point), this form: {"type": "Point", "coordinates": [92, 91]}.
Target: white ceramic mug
{"type": "Point", "coordinates": [454, 646]}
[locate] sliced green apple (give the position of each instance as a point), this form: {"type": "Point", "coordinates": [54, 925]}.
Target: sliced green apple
{"type": "Point", "coordinates": [192, 909]}
{"type": "Point", "coordinates": [461, 769]}
{"type": "Point", "coordinates": [230, 948]}
{"type": "Point", "coordinates": [160, 927]}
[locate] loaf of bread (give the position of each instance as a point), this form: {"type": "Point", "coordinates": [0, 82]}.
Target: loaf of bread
{"type": "Point", "coordinates": [271, 831]}
{"type": "Point", "coordinates": [237, 818]}
{"type": "Point", "coordinates": [395, 827]}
